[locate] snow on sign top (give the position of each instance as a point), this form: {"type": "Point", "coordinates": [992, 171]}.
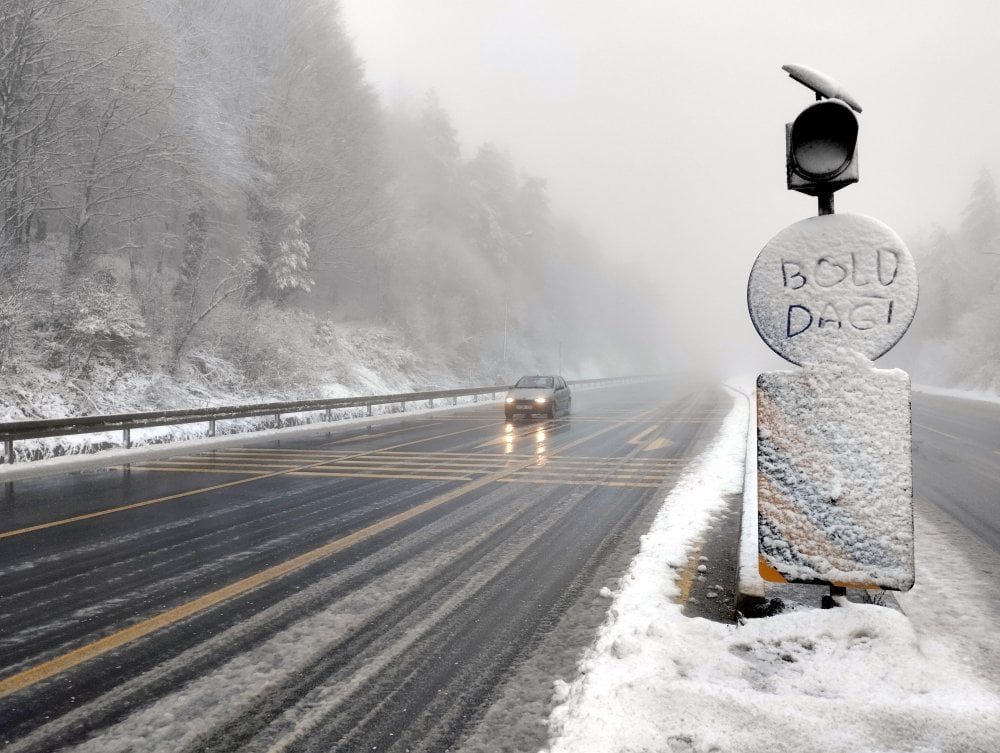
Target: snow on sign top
{"type": "Point", "coordinates": [832, 285]}
{"type": "Point", "coordinates": [821, 84]}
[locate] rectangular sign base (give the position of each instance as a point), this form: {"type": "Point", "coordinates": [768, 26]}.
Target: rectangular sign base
{"type": "Point", "coordinates": [834, 477]}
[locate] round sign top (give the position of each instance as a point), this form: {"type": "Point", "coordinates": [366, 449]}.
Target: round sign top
{"type": "Point", "coordinates": [830, 284]}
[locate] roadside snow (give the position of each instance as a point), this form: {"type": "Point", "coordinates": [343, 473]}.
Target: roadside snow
{"type": "Point", "coordinates": [980, 395]}
{"type": "Point", "coordinates": [856, 678]}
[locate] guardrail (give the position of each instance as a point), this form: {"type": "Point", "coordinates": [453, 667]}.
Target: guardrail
{"type": "Point", "coordinates": [14, 431]}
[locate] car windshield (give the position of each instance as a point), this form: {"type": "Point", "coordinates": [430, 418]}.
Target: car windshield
{"type": "Point", "coordinates": [535, 382]}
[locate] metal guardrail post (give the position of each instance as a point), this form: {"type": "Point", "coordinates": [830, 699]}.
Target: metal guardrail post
{"type": "Point", "coordinates": [454, 400]}
{"type": "Point", "coordinates": [127, 438]}
{"type": "Point", "coordinates": [277, 420]}
{"type": "Point", "coordinates": [430, 403]}
{"type": "Point", "coordinates": [8, 451]}
{"type": "Point", "coordinates": [329, 415]}
{"type": "Point", "coordinates": [402, 406]}
{"type": "Point", "coordinates": [211, 428]}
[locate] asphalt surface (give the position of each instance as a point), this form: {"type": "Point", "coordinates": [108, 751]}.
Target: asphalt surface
{"type": "Point", "coordinates": [416, 585]}
{"type": "Point", "coordinates": [956, 461]}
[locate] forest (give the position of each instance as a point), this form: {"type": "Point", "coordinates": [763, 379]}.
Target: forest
{"type": "Point", "coordinates": [953, 340]}
{"type": "Point", "coordinates": [206, 203]}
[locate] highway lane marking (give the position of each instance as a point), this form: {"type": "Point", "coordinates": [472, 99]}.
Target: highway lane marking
{"type": "Point", "coordinates": [376, 474]}
{"type": "Point", "coordinates": [570, 469]}
{"type": "Point", "coordinates": [640, 438]}
{"type": "Point", "coordinates": [436, 466]}
{"type": "Point", "coordinates": [567, 476]}
{"type": "Point", "coordinates": [374, 458]}
{"type": "Point", "coordinates": [214, 487]}
{"type": "Point", "coordinates": [657, 444]}
{"type": "Point", "coordinates": [415, 458]}
{"type": "Point", "coordinates": [331, 474]}
{"type": "Point", "coordinates": [582, 482]}
{"type": "Point", "coordinates": [237, 459]}
{"type": "Point", "coordinates": [685, 580]}
{"type": "Point", "coordinates": [942, 433]}
{"type": "Point", "coordinates": [965, 441]}
{"type": "Point", "coordinates": [71, 659]}
{"type": "Point", "coordinates": [412, 462]}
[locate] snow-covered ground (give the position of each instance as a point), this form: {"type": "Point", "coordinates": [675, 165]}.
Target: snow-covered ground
{"type": "Point", "coordinates": [856, 678]}
{"type": "Point", "coordinates": [980, 395]}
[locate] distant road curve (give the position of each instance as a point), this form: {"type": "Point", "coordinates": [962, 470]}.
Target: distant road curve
{"type": "Point", "coordinates": [956, 460]}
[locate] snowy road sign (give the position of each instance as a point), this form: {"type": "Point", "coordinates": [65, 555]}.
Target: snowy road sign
{"type": "Point", "coordinates": [831, 294]}
{"type": "Point", "coordinates": [832, 284]}
{"type": "Point", "coordinates": [834, 476]}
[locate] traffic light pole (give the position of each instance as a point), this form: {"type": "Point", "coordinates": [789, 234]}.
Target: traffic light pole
{"type": "Point", "coordinates": [825, 201]}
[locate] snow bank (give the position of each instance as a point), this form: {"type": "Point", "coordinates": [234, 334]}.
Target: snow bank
{"type": "Point", "coordinates": [963, 394]}
{"type": "Point", "coordinates": [857, 678]}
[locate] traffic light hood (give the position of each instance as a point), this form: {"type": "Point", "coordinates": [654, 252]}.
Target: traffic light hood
{"type": "Point", "coordinates": [821, 148]}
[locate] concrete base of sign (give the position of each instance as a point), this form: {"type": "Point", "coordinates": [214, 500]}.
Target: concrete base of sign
{"type": "Point", "coordinates": [834, 479]}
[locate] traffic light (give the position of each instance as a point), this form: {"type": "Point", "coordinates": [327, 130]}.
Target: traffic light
{"type": "Point", "coordinates": [821, 148]}
{"type": "Point", "coordinates": [821, 144]}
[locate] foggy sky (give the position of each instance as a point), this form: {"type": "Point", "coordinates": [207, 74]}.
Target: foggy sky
{"type": "Point", "coordinates": [660, 125]}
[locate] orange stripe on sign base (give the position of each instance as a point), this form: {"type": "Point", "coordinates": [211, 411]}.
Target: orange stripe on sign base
{"type": "Point", "coordinates": [767, 572]}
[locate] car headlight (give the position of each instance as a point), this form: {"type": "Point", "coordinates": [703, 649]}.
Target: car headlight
{"type": "Point", "coordinates": [510, 400]}
{"type": "Point", "coordinates": [541, 400]}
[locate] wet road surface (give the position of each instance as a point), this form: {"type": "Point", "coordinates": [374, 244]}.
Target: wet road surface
{"type": "Point", "coordinates": [412, 585]}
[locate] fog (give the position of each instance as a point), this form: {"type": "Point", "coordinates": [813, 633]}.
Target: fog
{"type": "Point", "coordinates": [247, 200]}
{"type": "Point", "coordinates": [660, 125]}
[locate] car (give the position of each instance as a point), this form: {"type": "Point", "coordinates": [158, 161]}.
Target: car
{"type": "Point", "coordinates": [538, 395]}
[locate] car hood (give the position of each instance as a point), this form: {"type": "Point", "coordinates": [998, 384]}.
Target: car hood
{"type": "Point", "coordinates": [529, 393]}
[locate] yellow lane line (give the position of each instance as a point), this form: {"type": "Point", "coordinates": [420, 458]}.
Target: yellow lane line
{"type": "Point", "coordinates": [360, 474]}
{"type": "Point", "coordinates": [526, 434]}
{"type": "Point", "coordinates": [214, 487]}
{"type": "Point", "coordinates": [578, 482]}
{"type": "Point", "coordinates": [376, 459]}
{"type": "Point", "coordinates": [333, 457]}
{"type": "Point", "coordinates": [463, 455]}
{"type": "Point", "coordinates": [577, 475]}
{"type": "Point", "coordinates": [624, 462]}
{"type": "Point", "coordinates": [641, 436]}
{"type": "Point", "coordinates": [47, 669]}
{"type": "Point", "coordinates": [361, 464]}
{"type": "Point", "coordinates": [416, 462]}
{"type": "Point", "coordinates": [205, 463]}
{"type": "Point", "coordinates": [685, 580]}
{"type": "Point", "coordinates": [73, 658]}
{"type": "Point", "coordinates": [548, 470]}
{"type": "Point", "coordinates": [657, 444]}
{"type": "Point", "coordinates": [180, 469]}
